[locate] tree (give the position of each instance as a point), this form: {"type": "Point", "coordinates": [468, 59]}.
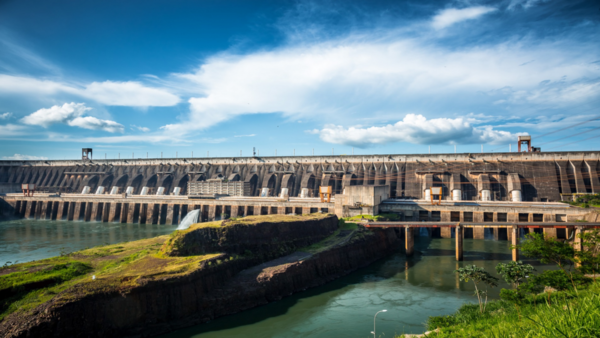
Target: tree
{"type": "Point", "coordinates": [514, 272]}
{"type": "Point", "coordinates": [550, 251]}
{"type": "Point", "coordinates": [478, 275]}
{"type": "Point", "coordinates": [589, 256]}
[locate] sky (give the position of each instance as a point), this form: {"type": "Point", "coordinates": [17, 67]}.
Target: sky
{"type": "Point", "coordinates": [137, 79]}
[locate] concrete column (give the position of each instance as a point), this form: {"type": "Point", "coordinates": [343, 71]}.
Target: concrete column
{"type": "Point", "coordinates": [281, 210]}
{"type": "Point", "coordinates": [514, 231]}
{"type": "Point", "coordinates": [169, 220]}
{"type": "Point", "coordinates": [477, 217]}
{"type": "Point", "coordinates": [60, 212]}
{"type": "Point", "coordinates": [234, 211]}
{"type": "Point", "coordinates": [94, 214]}
{"type": "Point", "coordinates": [495, 218]}
{"type": "Point", "coordinates": [112, 214]}
{"type": "Point", "coordinates": [28, 209]}
{"type": "Point", "coordinates": [446, 232]}
{"type": "Point", "coordinates": [305, 211]}
{"type": "Point", "coordinates": [150, 214]}
{"type": "Point", "coordinates": [549, 233]}
{"type": "Point", "coordinates": [106, 211]}
{"type": "Point", "coordinates": [479, 232]}
{"type": "Point", "coordinates": [44, 209]}
{"type": "Point", "coordinates": [429, 215]}
{"type": "Point", "coordinates": [496, 233]}
{"type": "Point", "coordinates": [76, 209]}
{"type": "Point", "coordinates": [461, 218]}
{"type": "Point", "coordinates": [130, 212]}
{"type": "Point", "coordinates": [409, 239]}
{"type": "Point", "coordinates": [89, 207]}
{"type": "Point", "coordinates": [38, 209]}
{"type": "Point", "coordinates": [512, 217]}
{"type": "Point", "coordinates": [212, 210]}
{"type": "Point", "coordinates": [459, 243]}
{"type": "Point", "coordinates": [508, 234]}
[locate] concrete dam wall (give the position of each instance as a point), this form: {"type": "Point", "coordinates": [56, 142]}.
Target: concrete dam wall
{"type": "Point", "coordinates": [488, 176]}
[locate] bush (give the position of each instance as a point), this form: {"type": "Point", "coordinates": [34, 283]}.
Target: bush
{"type": "Point", "coordinates": [556, 279]}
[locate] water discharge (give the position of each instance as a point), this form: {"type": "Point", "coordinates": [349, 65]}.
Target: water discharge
{"type": "Point", "coordinates": [410, 289]}
{"type": "Point", "coordinates": [189, 219]}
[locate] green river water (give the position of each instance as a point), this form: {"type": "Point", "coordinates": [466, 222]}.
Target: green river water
{"type": "Point", "coordinates": [409, 289]}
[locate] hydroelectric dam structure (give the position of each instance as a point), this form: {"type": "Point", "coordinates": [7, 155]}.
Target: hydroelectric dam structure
{"type": "Point", "coordinates": [452, 195]}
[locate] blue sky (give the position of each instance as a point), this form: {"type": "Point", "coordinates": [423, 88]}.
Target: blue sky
{"type": "Point", "coordinates": [130, 78]}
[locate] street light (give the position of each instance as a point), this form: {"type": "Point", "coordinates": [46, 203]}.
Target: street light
{"type": "Point", "coordinates": [374, 318]}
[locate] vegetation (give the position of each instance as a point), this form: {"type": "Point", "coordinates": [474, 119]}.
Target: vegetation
{"type": "Point", "coordinates": [378, 218]}
{"type": "Point", "coordinates": [115, 267]}
{"type": "Point", "coordinates": [478, 276]}
{"type": "Point", "coordinates": [555, 303]}
{"type": "Point", "coordinates": [586, 201]}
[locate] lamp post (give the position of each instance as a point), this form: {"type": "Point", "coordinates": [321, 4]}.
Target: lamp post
{"type": "Point", "coordinates": [375, 318]}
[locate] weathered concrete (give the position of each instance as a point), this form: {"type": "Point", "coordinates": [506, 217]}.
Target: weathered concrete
{"type": "Point", "coordinates": [409, 241]}
{"type": "Point", "coordinates": [459, 243]}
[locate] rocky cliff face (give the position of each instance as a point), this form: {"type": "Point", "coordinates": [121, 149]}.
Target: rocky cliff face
{"type": "Point", "coordinates": [155, 307]}
{"type": "Point", "coordinates": [269, 238]}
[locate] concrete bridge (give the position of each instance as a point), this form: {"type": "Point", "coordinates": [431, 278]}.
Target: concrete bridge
{"type": "Point", "coordinates": [536, 177]}
{"type": "Point", "coordinates": [513, 232]}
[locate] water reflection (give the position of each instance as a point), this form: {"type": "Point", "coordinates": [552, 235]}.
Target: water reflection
{"type": "Point", "coordinates": [28, 240]}
{"type": "Point", "coordinates": [410, 289]}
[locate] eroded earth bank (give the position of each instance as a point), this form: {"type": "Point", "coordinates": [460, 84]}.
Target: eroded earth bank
{"type": "Point", "coordinates": [152, 286]}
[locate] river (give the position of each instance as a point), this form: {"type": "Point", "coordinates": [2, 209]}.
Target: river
{"type": "Point", "coordinates": [409, 289]}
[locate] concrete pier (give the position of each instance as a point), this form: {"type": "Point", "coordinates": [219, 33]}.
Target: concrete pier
{"type": "Point", "coordinates": [409, 239]}
{"type": "Point", "coordinates": [459, 242]}
{"type": "Point", "coordinates": [514, 241]}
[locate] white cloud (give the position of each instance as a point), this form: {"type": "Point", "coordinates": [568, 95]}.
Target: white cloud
{"type": "Point", "coordinates": [72, 115]}
{"type": "Point", "coordinates": [417, 129]}
{"type": "Point", "coordinates": [144, 129]}
{"type": "Point", "coordinates": [379, 75]}
{"type": "Point", "coordinates": [249, 135]}
{"type": "Point", "coordinates": [450, 16]}
{"type": "Point", "coordinates": [20, 157]}
{"type": "Point", "coordinates": [12, 130]}
{"type": "Point", "coordinates": [90, 122]}
{"type": "Point", "coordinates": [56, 114]}
{"type": "Point", "coordinates": [130, 93]}
{"type": "Point", "coordinates": [5, 116]}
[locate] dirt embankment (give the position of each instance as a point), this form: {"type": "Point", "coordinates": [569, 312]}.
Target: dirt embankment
{"type": "Point", "coordinates": [154, 307]}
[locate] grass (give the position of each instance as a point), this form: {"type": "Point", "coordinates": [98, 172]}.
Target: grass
{"type": "Point", "coordinates": [586, 201]}
{"type": "Point", "coordinates": [27, 285]}
{"type": "Point", "coordinates": [116, 267]}
{"type": "Point", "coordinates": [377, 218]}
{"type": "Point", "coordinates": [562, 314]}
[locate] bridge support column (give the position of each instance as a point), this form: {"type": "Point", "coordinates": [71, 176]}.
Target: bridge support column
{"type": "Point", "coordinates": [478, 232]}
{"type": "Point", "coordinates": [305, 211]}
{"type": "Point", "coordinates": [130, 212]}
{"type": "Point", "coordinates": [509, 234]}
{"type": "Point", "coordinates": [459, 243]}
{"type": "Point", "coordinates": [578, 242]}
{"type": "Point", "coordinates": [446, 232]}
{"type": "Point", "coordinates": [212, 211]}
{"type": "Point", "coordinates": [514, 231]}
{"type": "Point", "coordinates": [281, 210]}
{"type": "Point", "coordinates": [38, 209]}
{"type": "Point", "coordinates": [409, 240]}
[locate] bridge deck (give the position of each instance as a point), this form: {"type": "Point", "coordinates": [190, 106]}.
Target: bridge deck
{"type": "Point", "coordinates": [413, 224]}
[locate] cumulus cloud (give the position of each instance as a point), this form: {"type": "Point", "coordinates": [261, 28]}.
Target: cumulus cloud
{"type": "Point", "coordinates": [130, 93]}
{"type": "Point", "coordinates": [348, 77]}
{"type": "Point", "coordinates": [450, 16]}
{"type": "Point", "coordinates": [20, 157]}
{"type": "Point", "coordinates": [72, 115]}
{"type": "Point", "coordinates": [416, 129]}
{"type": "Point", "coordinates": [90, 122]}
{"type": "Point", "coordinates": [5, 116]}
{"type": "Point", "coordinates": [56, 114]}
